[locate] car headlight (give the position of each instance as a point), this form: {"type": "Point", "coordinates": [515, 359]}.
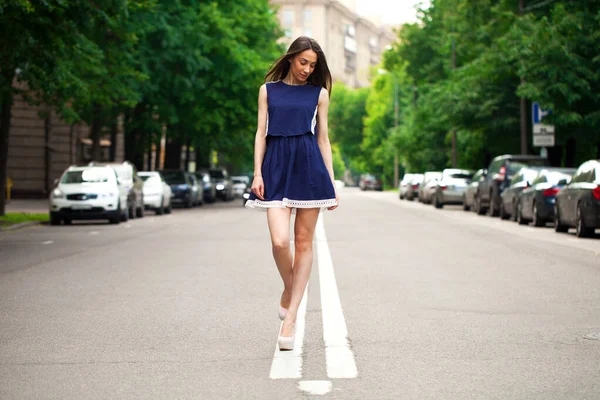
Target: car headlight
{"type": "Point", "coordinates": [220, 186]}
{"type": "Point", "coordinates": [58, 194]}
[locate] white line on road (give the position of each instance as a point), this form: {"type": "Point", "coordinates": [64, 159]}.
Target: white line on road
{"type": "Point", "coordinates": [288, 364]}
{"type": "Point", "coordinates": [339, 356]}
{"type": "Point", "coordinates": [318, 388]}
{"type": "Point", "coordinates": [94, 232]}
{"type": "Point", "coordinates": [48, 242]}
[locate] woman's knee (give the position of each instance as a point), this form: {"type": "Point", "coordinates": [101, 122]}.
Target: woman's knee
{"type": "Point", "coordinates": [281, 243]}
{"type": "Point", "coordinates": [303, 241]}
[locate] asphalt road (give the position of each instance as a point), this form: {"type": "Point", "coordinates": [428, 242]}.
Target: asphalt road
{"type": "Point", "coordinates": [437, 304]}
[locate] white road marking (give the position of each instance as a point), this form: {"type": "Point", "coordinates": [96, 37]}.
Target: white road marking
{"type": "Point", "coordinates": [94, 232]}
{"type": "Point", "coordinates": [288, 364]}
{"type": "Point", "coordinates": [48, 242]}
{"type": "Point", "coordinates": [339, 356]}
{"type": "Point", "coordinates": [318, 388]}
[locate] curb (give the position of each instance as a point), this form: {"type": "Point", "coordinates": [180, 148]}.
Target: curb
{"type": "Point", "coordinates": [21, 225]}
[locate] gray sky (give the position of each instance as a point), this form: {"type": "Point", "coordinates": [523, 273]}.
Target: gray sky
{"type": "Point", "coordinates": [393, 12]}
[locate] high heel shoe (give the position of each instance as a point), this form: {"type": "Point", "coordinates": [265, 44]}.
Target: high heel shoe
{"type": "Point", "coordinates": [286, 342]}
{"type": "Point", "coordinates": [282, 312]}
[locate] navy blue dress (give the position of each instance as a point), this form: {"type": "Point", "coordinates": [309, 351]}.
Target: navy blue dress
{"type": "Point", "coordinates": [293, 169]}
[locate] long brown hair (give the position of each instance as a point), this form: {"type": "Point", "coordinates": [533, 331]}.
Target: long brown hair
{"type": "Point", "coordinates": [319, 77]}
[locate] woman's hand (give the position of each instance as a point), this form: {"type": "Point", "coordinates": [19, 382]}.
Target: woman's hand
{"type": "Point", "coordinates": [337, 199]}
{"type": "Point", "coordinates": [258, 187]}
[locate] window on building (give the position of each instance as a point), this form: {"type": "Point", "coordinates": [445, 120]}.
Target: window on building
{"type": "Point", "coordinates": [288, 32]}
{"type": "Point", "coordinates": [308, 32]}
{"type": "Point", "coordinates": [307, 17]}
{"type": "Point", "coordinates": [288, 17]}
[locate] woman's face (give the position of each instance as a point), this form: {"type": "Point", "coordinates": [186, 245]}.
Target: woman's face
{"type": "Point", "coordinates": [303, 64]}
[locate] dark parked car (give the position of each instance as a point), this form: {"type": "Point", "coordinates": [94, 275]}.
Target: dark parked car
{"type": "Point", "coordinates": [370, 182]}
{"type": "Point", "coordinates": [510, 196]}
{"type": "Point", "coordinates": [412, 190]}
{"type": "Point", "coordinates": [536, 203]}
{"type": "Point", "coordinates": [500, 172]}
{"type": "Point", "coordinates": [469, 194]}
{"type": "Point", "coordinates": [209, 187]}
{"type": "Point", "coordinates": [578, 203]}
{"type": "Point", "coordinates": [181, 187]}
{"type": "Point", "coordinates": [223, 183]}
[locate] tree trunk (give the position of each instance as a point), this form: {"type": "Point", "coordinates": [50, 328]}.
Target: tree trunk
{"type": "Point", "coordinates": [47, 151]}
{"type": "Point", "coordinates": [5, 116]}
{"type": "Point", "coordinates": [95, 130]}
{"type": "Point", "coordinates": [187, 154]}
{"type": "Point", "coordinates": [113, 139]}
{"type": "Point", "coordinates": [173, 149]}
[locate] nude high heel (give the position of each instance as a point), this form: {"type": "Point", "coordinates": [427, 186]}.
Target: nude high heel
{"type": "Point", "coordinates": [282, 312]}
{"type": "Point", "coordinates": [286, 342]}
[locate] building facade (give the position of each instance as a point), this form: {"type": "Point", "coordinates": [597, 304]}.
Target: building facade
{"type": "Point", "coordinates": [353, 45]}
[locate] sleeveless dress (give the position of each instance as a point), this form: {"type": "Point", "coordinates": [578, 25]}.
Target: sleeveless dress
{"type": "Point", "coordinates": [293, 170]}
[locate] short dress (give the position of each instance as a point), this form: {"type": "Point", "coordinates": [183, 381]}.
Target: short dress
{"type": "Point", "coordinates": [293, 170]}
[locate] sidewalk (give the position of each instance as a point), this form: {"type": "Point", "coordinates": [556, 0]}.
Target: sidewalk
{"type": "Point", "coordinates": [29, 206]}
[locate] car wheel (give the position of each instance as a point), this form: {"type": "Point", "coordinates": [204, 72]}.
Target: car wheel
{"type": "Point", "coordinates": [464, 204]}
{"type": "Point", "coordinates": [139, 212]}
{"type": "Point", "coordinates": [477, 206]}
{"type": "Point", "coordinates": [437, 203]}
{"type": "Point", "coordinates": [503, 214]}
{"type": "Point", "coordinates": [492, 211]}
{"type": "Point", "coordinates": [581, 229]}
{"type": "Point", "coordinates": [558, 226]}
{"type": "Point", "coordinates": [514, 211]}
{"type": "Point", "coordinates": [169, 208]}
{"type": "Point", "coordinates": [55, 220]}
{"type": "Point", "coordinates": [537, 221]}
{"type": "Point", "coordinates": [161, 210]}
{"type": "Point", "coordinates": [125, 216]}
{"type": "Point", "coordinates": [520, 219]}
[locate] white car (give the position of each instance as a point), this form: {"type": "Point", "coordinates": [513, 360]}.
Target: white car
{"type": "Point", "coordinates": [86, 193]}
{"type": "Point", "coordinates": [157, 192]}
{"type": "Point", "coordinates": [239, 184]}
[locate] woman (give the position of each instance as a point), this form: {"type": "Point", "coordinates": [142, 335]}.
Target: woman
{"type": "Point", "coordinates": [293, 169]}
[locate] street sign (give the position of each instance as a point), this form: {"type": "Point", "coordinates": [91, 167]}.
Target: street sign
{"type": "Point", "coordinates": [543, 135]}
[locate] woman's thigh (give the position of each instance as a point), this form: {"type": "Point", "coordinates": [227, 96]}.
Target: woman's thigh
{"type": "Point", "coordinates": [279, 225]}
{"type": "Point", "coordinates": [305, 224]}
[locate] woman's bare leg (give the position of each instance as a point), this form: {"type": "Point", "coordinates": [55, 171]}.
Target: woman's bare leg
{"type": "Point", "coordinates": [279, 226]}
{"type": "Point", "coordinates": [304, 229]}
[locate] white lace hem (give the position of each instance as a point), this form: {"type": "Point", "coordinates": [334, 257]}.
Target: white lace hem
{"type": "Point", "coordinates": [264, 205]}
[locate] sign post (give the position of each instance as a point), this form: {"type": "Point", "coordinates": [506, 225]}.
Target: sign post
{"type": "Point", "coordinates": [543, 135]}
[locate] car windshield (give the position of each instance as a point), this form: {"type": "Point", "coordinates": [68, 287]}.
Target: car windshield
{"type": "Point", "coordinates": [95, 175]}
{"type": "Point", "coordinates": [150, 179]}
{"type": "Point", "coordinates": [174, 178]}
{"type": "Point", "coordinates": [515, 165]}
{"type": "Point", "coordinates": [555, 177]}
{"type": "Point", "coordinates": [460, 175]}
{"type": "Point", "coordinates": [146, 177]}
{"type": "Point", "coordinates": [237, 180]}
{"type": "Point", "coordinates": [217, 174]}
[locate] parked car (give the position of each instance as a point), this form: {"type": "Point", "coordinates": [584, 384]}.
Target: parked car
{"type": "Point", "coordinates": [500, 172]}
{"type": "Point", "coordinates": [578, 203]}
{"type": "Point", "coordinates": [223, 183]}
{"type": "Point", "coordinates": [510, 196]}
{"type": "Point", "coordinates": [181, 187]}
{"type": "Point", "coordinates": [209, 187]}
{"type": "Point", "coordinates": [157, 192]}
{"type": "Point", "coordinates": [128, 178]}
{"type": "Point", "coordinates": [427, 188]}
{"type": "Point", "coordinates": [536, 202]}
{"type": "Point", "coordinates": [451, 187]}
{"type": "Point", "coordinates": [404, 184]}
{"type": "Point", "coordinates": [370, 182]}
{"type": "Point", "coordinates": [246, 194]}
{"type": "Point", "coordinates": [469, 194]}
{"type": "Point", "coordinates": [239, 185]}
{"type": "Point", "coordinates": [412, 190]}
{"type": "Point", "coordinates": [86, 193]}
{"type": "Point", "coordinates": [197, 191]}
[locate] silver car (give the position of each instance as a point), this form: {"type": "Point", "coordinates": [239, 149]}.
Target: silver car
{"type": "Point", "coordinates": [451, 188]}
{"type": "Point", "coordinates": [428, 186]}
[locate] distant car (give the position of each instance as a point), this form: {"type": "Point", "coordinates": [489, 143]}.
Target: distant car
{"type": "Point", "coordinates": [86, 193]}
{"type": "Point", "coordinates": [370, 182]}
{"type": "Point", "coordinates": [404, 185]}
{"type": "Point", "coordinates": [223, 183]}
{"type": "Point", "coordinates": [209, 187]}
{"type": "Point", "coordinates": [578, 203]}
{"type": "Point", "coordinates": [181, 187]}
{"type": "Point", "coordinates": [427, 188]}
{"type": "Point", "coordinates": [239, 185]}
{"type": "Point", "coordinates": [451, 187]}
{"type": "Point", "coordinates": [157, 192]}
{"type": "Point", "coordinates": [536, 202]}
{"type": "Point", "coordinates": [127, 177]}
{"type": "Point", "coordinates": [509, 199]}
{"type": "Point", "coordinates": [500, 172]}
{"type": "Point", "coordinates": [469, 194]}
{"type": "Point", "coordinates": [412, 189]}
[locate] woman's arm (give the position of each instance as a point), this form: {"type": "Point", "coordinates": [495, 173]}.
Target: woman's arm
{"type": "Point", "coordinates": [260, 143]}
{"type": "Point", "coordinates": [323, 135]}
